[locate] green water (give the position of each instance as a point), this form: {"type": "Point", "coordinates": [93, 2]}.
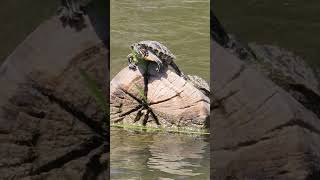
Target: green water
{"type": "Point", "coordinates": [163, 156]}
{"type": "Point", "coordinates": [291, 24]}
{"type": "Point", "coordinates": [181, 25]}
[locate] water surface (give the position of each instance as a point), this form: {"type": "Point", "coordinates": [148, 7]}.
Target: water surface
{"type": "Point", "coordinates": [163, 156]}
{"type": "Point", "coordinates": [290, 24]}
{"type": "Point", "coordinates": [181, 25]}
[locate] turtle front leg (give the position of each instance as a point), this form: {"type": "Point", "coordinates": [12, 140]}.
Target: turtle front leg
{"type": "Point", "coordinates": [159, 66]}
{"type": "Point", "coordinates": [131, 63]}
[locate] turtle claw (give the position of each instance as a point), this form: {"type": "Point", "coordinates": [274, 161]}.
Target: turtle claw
{"type": "Point", "coordinates": [132, 67]}
{"type": "Point", "coordinates": [158, 69]}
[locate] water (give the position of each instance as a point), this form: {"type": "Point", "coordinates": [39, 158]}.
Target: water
{"type": "Point", "coordinates": [163, 156]}
{"type": "Point", "coordinates": [181, 25]}
{"type": "Point", "coordinates": [290, 24]}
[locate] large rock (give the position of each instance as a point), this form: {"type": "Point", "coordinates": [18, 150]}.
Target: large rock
{"type": "Point", "coordinates": [283, 67]}
{"type": "Point", "coordinates": [259, 131]}
{"type": "Point", "coordinates": [175, 102]}
{"type": "Point", "coordinates": [50, 125]}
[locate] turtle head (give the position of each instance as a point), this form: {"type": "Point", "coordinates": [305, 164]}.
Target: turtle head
{"type": "Point", "coordinates": [138, 51]}
{"type": "Point", "coordinates": [141, 52]}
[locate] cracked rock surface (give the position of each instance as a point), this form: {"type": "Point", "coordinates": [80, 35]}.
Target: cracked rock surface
{"type": "Point", "coordinates": [51, 126]}
{"type": "Point", "coordinates": [58, 131]}
{"type": "Point", "coordinates": [259, 130]}
{"type": "Point", "coordinates": [283, 67]}
{"type": "Point", "coordinates": [172, 101]}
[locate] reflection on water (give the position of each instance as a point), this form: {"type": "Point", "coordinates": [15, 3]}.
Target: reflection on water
{"type": "Point", "coordinates": [139, 155]}
{"type": "Point", "coordinates": [181, 25]}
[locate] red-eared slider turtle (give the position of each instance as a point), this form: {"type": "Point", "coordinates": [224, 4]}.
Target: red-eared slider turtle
{"type": "Point", "coordinates": [71, 12]}
{"type": "Point", "coordinates": [152, 51]}
{"type": "Point", "coordinates": [156, 52]}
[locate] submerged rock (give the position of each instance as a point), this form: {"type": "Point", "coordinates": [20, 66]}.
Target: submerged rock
{"type": "Point", "coordinates": [171, 100]}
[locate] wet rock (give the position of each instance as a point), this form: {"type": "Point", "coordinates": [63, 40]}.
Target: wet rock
{"type": "Point", "coordinates": [171, 100]}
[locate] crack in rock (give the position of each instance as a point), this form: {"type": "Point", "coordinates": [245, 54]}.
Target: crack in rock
{"type": "Point", "coordinates": [67, 106]}
{"type": "Point", "coordinates": [218, 103]}
{"type": "Point", "coordinates": [95, 167]}
{"type": "Point", "coordinates": [296, 122]}
{"type": "Point", "coordinates": [142, 105]}
{"type": "Point", "coordinates": [82, 150]}
{"type": "Point", "coordinates": [245, 144]}
{"type": "Point", "coordinates": [291, 123]}
{"type": "Point", "coordinates": [163, 103]}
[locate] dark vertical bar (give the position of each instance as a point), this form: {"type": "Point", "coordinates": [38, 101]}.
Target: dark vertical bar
{"type": "Point", "coordinates": [108, 77]}
{"type": "Point", "coordinates": [211, 90]}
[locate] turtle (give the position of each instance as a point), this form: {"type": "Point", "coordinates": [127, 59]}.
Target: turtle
{"type": "Point", "coordinates": [152, 51]}
{"type": "Point", "coordinates": [71, 12]}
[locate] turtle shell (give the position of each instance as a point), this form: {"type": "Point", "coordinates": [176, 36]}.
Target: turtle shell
{"type": "Point", "coordinates": [161, 51]}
